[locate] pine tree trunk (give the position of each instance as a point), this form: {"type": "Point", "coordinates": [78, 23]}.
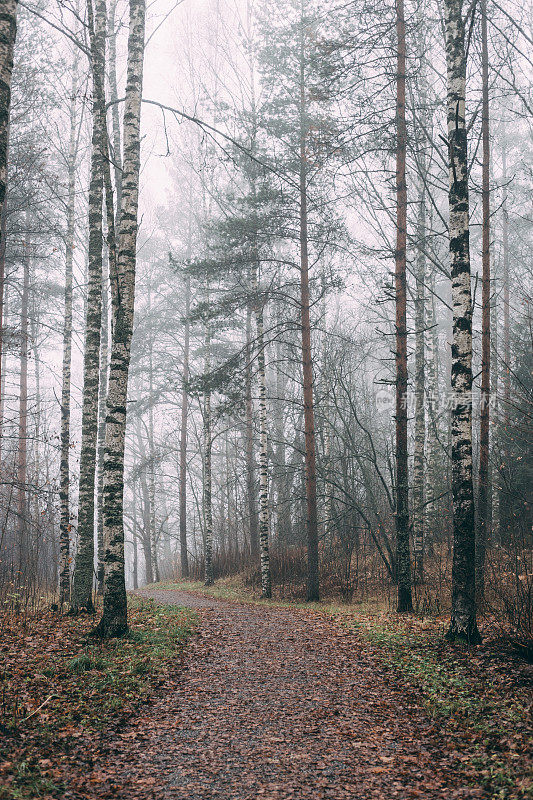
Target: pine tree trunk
{"type": "Point", "coordinates": [313, 592]}
{"type": "Point", "coordinates": [8, 32]}
{"type": "Point", "coordinates": [84, 569]}
{"type": "Point", "coordinates": [114, 617]}
{"type": "Point", "coordinates": [64, 465]}
{"type": "Point", "coordinates": [463, 623]}
{"type": "Point", "coordinates": [484, 521]}
{"type": "Point", "coordinates": [402, 480]}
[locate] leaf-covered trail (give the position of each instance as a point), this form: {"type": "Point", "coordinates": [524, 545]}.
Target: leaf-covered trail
{"type": "Point", "coordinates": [278, 703]}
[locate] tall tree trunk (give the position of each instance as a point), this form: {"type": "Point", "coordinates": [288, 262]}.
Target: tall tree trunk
{"type": "Point", "coordinates": [313, 592]}
{"type": "Point", "coordinates": [434, 448]}
{"type": "Point", "coordinates": [151, 484]}
{"type": "Point", "coordinates": [280, 478]}
{"type": "Point", "coordinates": [506, 314]}
{"type": "Point", "coordinates": [134, 539]}
{"type": "Point", "coordinates": [8, 32]}
{"type": "Point", "coordinates": [249, 432]}
{"type": "Point", "coordinates": [64, 465]}
{"type": "Point", "coordinates": [484, 521]}
{"type": "Point", "coordinates": [420, 400]}
{"type": "Point", "coordinates": [114, 616]}
{"type": "Point", "coordinates": [264, 516]}
{"type": "Point", "coordinates": [84, 569]}
{"type": "Point", "coordinates": [405, 603]}
{"type": "Point", "coordinates": [495, 418]}
{"type": "Point", "coordinates": [207, 483]}
{"type": "Point", "coordinates": [37, 528]}
{"type": "Point", "coordinates": [113, 97]}
{"type": "Point", "coordinates": [102, 398]}
{"type": "Point", "coordinates": [327, 411]}
{"type": "Point", "coordinates": [184, 558]}
{"type": "Point", "coordinates": [463, 623]}
{"type": "Point", "coordinates": [3, 296]}
{"type": "Point", "coordinates": [22, 454]}
{"type": "Point", "coordinates": [147, 529]}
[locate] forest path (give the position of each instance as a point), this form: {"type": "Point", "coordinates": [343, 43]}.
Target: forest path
{"type": "Point", "coordinates": [280, 703]}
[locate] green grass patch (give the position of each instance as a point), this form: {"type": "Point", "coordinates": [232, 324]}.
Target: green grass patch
{"type": "Point", "coordinates": [61, 686]}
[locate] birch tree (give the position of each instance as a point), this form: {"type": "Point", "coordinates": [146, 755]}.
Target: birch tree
{"type": "Point", "coordinates": [64, 466]}
{"type": "Point", "coordinates": [264, 513]}
{"type": "Point", "coordinates": [463, 623]}
{"type": "Point", "coordinates": [114, 615]}
{"type": "Point", "coordinates": [84, 567]}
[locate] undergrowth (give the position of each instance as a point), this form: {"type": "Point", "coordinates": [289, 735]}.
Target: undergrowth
{"type": "Point", "coordinates": [61, 688]}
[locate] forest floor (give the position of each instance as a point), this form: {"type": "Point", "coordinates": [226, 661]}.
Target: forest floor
{"type": "Point", "coordinates": [270, 701]}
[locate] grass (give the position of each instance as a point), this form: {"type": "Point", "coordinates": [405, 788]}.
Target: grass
{"type": "Point", "coordinates": [60, 687]}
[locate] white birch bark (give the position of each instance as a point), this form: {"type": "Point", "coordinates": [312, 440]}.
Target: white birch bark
{"type": "Point", "coordinates": [114, 617]}
{"type": "Point", "coordinates": [463, 616]}
{"type": "Point", "coordinates": [113, 98]}
{"type": "Point", "coordinates": [64, 466]}
{"type": "Point", "coordinates": [84, 569]}
{"type": "Point", "coordinates": [102, 399]}
{"type": "Point", "coordinates": [434, 449]}
{"type": "Point", "coordinates": [264, 517]}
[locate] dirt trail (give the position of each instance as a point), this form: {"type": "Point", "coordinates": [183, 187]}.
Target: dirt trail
{"type": "Point", "coordinates": [279, 703]}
